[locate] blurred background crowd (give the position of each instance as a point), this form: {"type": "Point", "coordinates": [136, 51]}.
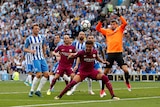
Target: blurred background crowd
{"type": "Point", "coordinates": [58, 17]}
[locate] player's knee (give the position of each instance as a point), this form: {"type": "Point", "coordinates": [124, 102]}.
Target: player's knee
{"type": "Point", "coordinates": [106, 71]}
{"type": "Point", "coordinates": [46, 75]}
{"type": "Point", "coordinates": [124, 68]}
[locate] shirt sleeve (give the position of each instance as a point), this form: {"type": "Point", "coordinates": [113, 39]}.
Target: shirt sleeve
{"type": "Point", "coordinates": [27, 43]}
{"type": "Point", "coordinates": [73, 43]}
{"type": "Point", "coordinates": [100, 29]}
{"type": "Point", "coordinates": [124, 23]}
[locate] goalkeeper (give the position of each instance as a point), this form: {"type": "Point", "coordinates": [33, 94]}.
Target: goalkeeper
{"type": "Point", "coordinates": [114, 42]}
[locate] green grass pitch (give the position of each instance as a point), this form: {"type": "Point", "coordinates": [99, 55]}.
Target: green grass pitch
{"type": "Point", "coordinates": [143, 94]}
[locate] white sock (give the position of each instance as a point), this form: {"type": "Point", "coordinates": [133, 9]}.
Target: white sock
{"type": "Point", "coordinates": [89, 84]}
{"type": "Point", "coordinates": [100, 83]}
{"type": "Point", "coordinates": [30, 79]}
{"type": "Point", "coordinates": [41, 84]}
{"type": "Point", "coordinates": [65, 77]}
{"type": "Point", "coordinates": [34, 84]}
{"type": "Point", "coordinates": [75, 86]}
{"type": "Point", "coordinates": [26, 79]}
{"type": "Point", "coordinates": [51, 78]}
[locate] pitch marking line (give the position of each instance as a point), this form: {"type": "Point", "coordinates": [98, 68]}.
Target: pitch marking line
{"type": "Point", "coordinates": [85, 102]}
{"type": "Point", "coordinates": [83, 90]}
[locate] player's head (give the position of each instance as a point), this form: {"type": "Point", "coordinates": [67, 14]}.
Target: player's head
{"type": "Point", "coordinates": [81, 36]}
{"type": "Point", "coordinates": [35, 28]}
{"type": "Point", "coordinates": [114, 24]}
{"type": "Point", "coordinates": [91, 37]}
{"type": "Point", "coordinates": [57, 39]}
{"type": "Point", "coordinates": [66, 40]}
{"type": "Point", "coordinates": [89, 45]}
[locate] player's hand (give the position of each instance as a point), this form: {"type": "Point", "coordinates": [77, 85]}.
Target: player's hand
{"type": "Point", "coordinates": [33, 51]}
{"type": "Point", "coordinates": [75, 68]}
{"type": "Point", "coordinates": [102, 17]}
{"type": "Point", "coordinates": [117, 12]}
{"type": "Point", "coordinates": [70, 55]}
{"type": "Point", "coordinates": [105, 62]}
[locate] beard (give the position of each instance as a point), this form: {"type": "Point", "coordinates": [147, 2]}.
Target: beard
{"type": "Point", "coordinates": [81, 38]}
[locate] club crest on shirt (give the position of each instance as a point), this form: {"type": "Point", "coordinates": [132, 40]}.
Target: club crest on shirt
{"type": "Point", "coordinates": [94, 55]}
{"type": "Point", "coordinates": [70, 50]}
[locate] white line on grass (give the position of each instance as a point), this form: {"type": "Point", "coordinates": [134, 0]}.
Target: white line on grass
{"type": "Point", "coordinates": [85, 102]}
{"type": "Point", "coordinates": [83, 90]}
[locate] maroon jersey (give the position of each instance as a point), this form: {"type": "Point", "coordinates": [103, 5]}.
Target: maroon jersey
{"type": "Point", "coordinates": [87, 60]}
{"type": "Point", "coordinates": [64, 52]}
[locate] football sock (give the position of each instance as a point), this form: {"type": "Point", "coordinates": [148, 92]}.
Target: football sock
{"type": "Point", "coordinates": [126, 74]}
{"type": "Point", "coordinates": [27, 80]}
{"type": "Point", "coordinates": [42, 82]}
{"type": "Point", "coordinates": [35, 81]}
{"type": "Point", "coordinates": [69, 86]}
{"type": "Point", "coordinates": [51, 78]}
{"type": "Point", "coordinates": [89, 84]}
{"type": "Point", "coordinates": [30, 79]}
{"type": "Point", "coordinates": [108, 84]}
{"type": "Point", "coordinates": [65, 77]}
{"type": "Point", "coordinates": [53, 82]}
{"type": "Point", "coordinates": [75, 86]}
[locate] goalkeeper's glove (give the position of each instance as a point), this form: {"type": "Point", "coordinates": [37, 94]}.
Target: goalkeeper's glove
{"type": "Point", "coordinates": [102, 17]}
{"type": "Point", "coordinates": [118, 13]}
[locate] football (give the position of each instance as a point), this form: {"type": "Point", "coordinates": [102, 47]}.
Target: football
{"type": "Point", "coordinates": [85, 24]}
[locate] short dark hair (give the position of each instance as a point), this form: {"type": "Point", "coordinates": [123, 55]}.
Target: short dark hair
{"type": "Point", "coordinates": [89, 42]}
{"type": "Point", "coordinates": [34, 24]}
{"type": "Point", "coordinates": [114, 21]}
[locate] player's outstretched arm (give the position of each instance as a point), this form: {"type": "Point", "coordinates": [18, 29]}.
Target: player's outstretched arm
{"type": "Point", "coordinates": [123, 20]}
{"type": "Point", "coordinates": [72, 55]}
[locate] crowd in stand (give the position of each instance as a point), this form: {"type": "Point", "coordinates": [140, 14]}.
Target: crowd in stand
{"type": "Point", "coordinates": [58, 17]}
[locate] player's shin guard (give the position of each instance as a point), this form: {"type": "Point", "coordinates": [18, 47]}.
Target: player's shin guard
{"type": "Point", "coordinates": [68, 87]}
{"type": "Point", "coordinates": [108, 84]}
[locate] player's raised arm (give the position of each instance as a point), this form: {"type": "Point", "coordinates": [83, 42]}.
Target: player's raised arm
{"type": "Point", "coordinates": [123, 20]}
{"type": "Point", "coordinates": [73, 55]}
{"type": "Point", "coordinates": [99, 25]}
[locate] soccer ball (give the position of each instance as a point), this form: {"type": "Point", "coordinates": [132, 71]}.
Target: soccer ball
{"type": "Point", "coordinates": [85, 24]}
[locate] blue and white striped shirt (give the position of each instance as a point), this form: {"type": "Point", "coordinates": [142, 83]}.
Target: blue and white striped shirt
{"type": "Point", "coordinates": [79, 46]}
{"type": "Point", "coordinates": [36, 43]}
{"type": "Point", "coordinates": [98, 47]}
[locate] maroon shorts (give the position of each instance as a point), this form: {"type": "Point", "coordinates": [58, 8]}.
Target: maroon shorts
{"type": "Point", "coordinates": [92, 74]}
{"type": "Point", "coordinates": [64, 70]}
